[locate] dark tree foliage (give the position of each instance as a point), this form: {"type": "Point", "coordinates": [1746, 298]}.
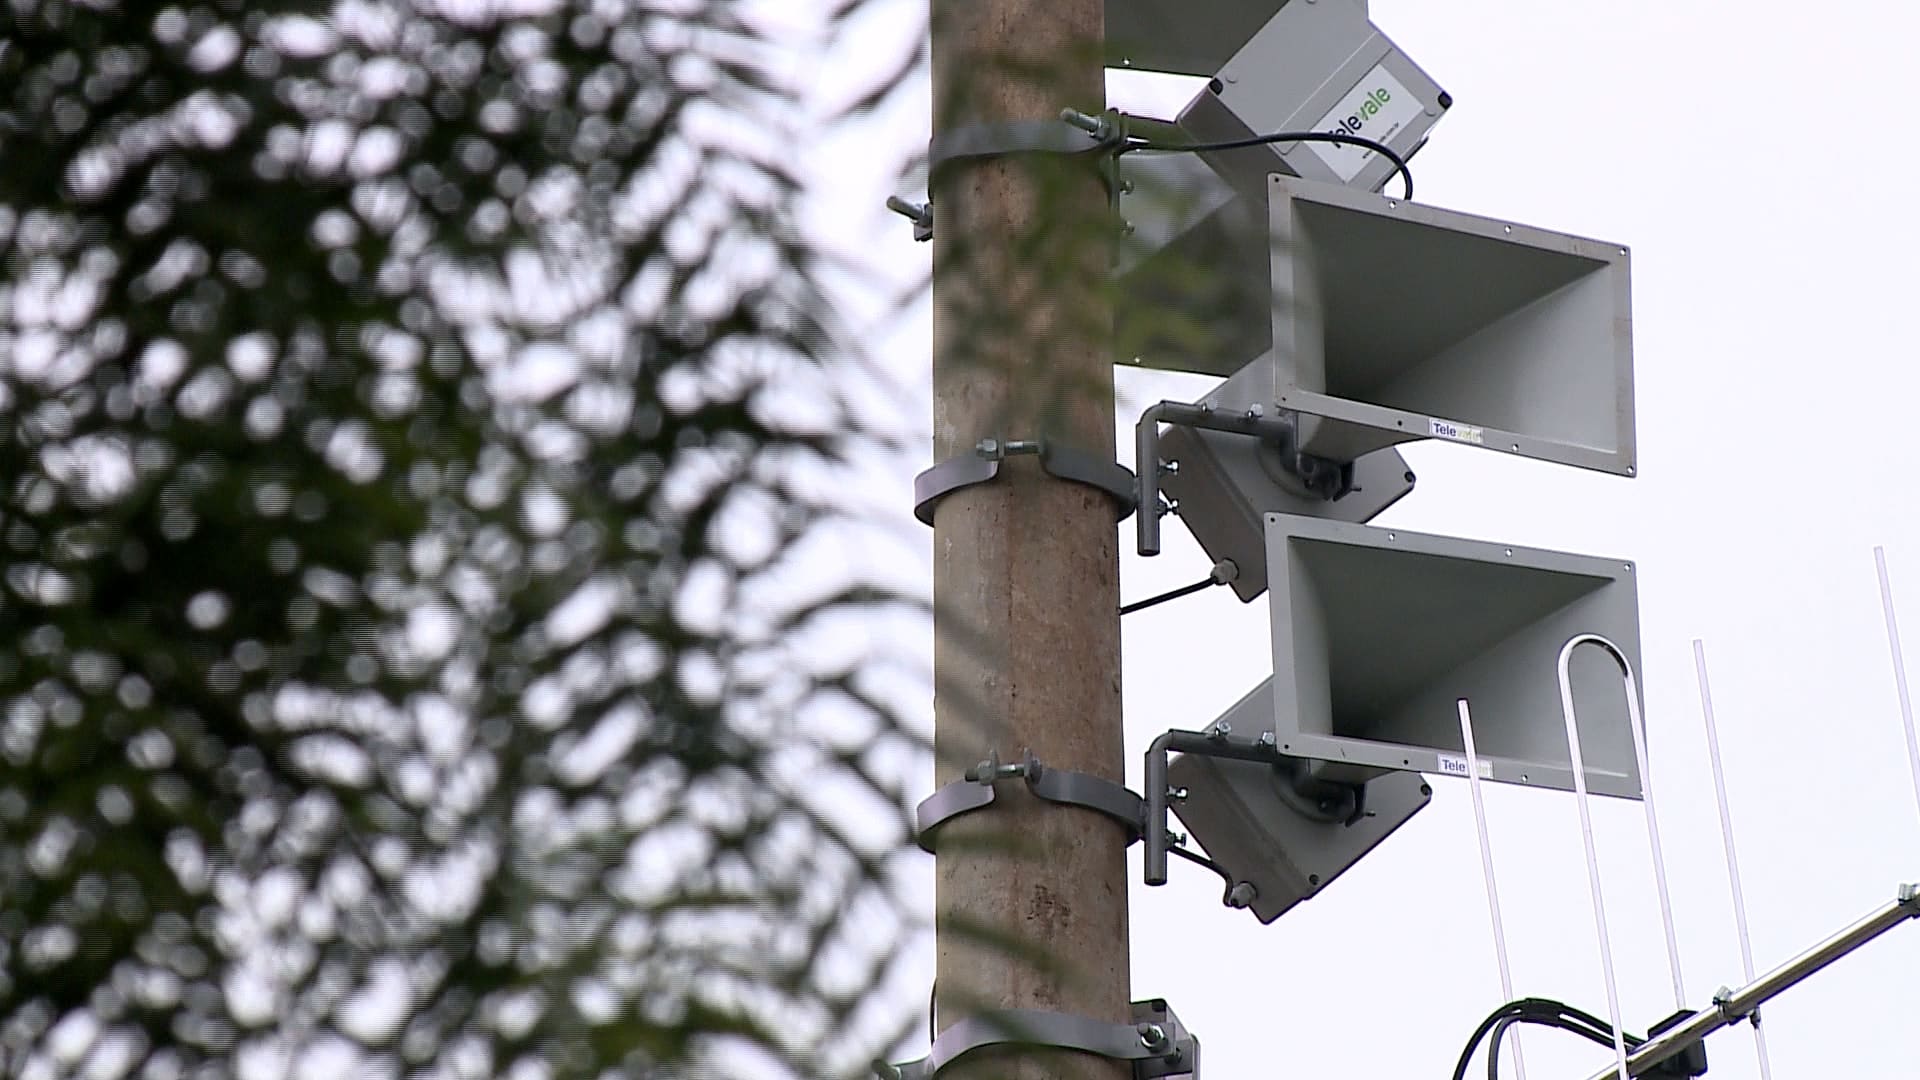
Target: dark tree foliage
{"type": "Point", "coordinates": [413, 415]}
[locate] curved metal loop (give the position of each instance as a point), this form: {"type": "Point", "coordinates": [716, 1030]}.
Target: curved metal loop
{"type": "Point", "coordinates": [1635, 727]}
{"type": "Point", "coordinates": [1574, 642]}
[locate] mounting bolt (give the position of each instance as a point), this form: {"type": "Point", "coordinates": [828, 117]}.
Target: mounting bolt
{"type": "Point", "coordinates": [1909, 893]}
{"type": "Point", "coordinates": [1153, 1037]}
{"type": "Point", "coordinates": [921, 214]}
{"type": "Point", "coordinates": [1723, 1001]}
{"type": "Point", "coordinates": [1220, 731]}
{"type": "Point", "coordinates": [1092, 125]}
{"type": "Point", "coordinates": [1267, 741]}
{"type": "Point", "coordinates": [1176, 839]}
{"type": "Point", "coordinates": [1256, 411]}
{"type": "Point", "coordinates": [990, 770]}
{"type": "Point", "coordinates": [1242, 895]}
{"type": "Point", "coordinates": [1177, 794]}
{"type": "Point", "coordinates": [987, 448]}
{"type": "Point", "coordinates": [1169, 468]}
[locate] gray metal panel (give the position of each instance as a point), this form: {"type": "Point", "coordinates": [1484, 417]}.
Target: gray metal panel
{"type": "Point", "coordinates": [1377, 632]}
{"type": "Point", "coordinates": [1290, 76]}
{"type": "Point", "coordinates": [1397, 321]}
{"type": "Point", "coordinates": [1226, 484]}
{"type": "Point", "coordinates": [1189, 37]}
{"type": "Point", "coordinates": [1234, 810]}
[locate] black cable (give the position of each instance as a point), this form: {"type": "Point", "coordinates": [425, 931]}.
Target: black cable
{"type": "Point", "coordinates": [1224, 572]}
{"type": "Point", "coordinates": [1479, 1033]}
{"type": "Point", "coordinates": [1201, 860]}
{"type": "Point", "coordinates": [1337, 138]}
{"type": "Point", "coordinates": [1602, 1035]}
{"type": "Point", "coordinates": [1184, 590]}
{"type": "Point", "coordinates": [1540, 1011]}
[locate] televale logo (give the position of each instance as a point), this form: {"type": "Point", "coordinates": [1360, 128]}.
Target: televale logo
{"type": "Point", "coordinates": [1370, 106]}
{"type": "Point", "coordinates": [1378, 107]}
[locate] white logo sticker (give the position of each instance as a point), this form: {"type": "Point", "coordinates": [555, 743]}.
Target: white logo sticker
{"type": "Point", "coordinates": [1457, 766]}
{"type": "Point", "coordinates": [1447, 429]}
{"type": "Point", "coordinates": [1377, 108]}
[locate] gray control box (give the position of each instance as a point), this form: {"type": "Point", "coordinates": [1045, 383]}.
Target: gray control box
{"type": "Point", "coordinates": [1320, 66]}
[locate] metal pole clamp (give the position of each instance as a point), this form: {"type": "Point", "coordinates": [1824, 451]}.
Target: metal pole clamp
{"type": "Point", "coordinates": [982, 464]}
{"type": "Point", "coordinates": [1158, 1045]}
{"type": "Point", "coordinates": [1062, 786]}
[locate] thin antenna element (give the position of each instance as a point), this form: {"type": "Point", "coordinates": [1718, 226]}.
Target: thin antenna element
{"type": "Point", "coordinates": [1586, 836]}
{"type": "Point", "coordinates": [1634, 726]}
{"type": "Point", "coordinates": [1726, 839]}
{"type": "Point", "coordinates": [1486, 866]}
{"type": "Point", "coordinates": [1899, 667]}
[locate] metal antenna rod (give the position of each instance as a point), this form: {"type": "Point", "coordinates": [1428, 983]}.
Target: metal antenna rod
{"type": "Point", "coordinates": [1636, 726]}
{"type": "Point", "coordinates": [1486, 866]}
{"type": "Point", "coordinates": [1726, 840]}
{"type": "Point", "coordinates": [1899, 667]}
{"type": "Point", "coordinates": [1732, 1006]}
{"type": "Point", "coordinates": [1586, 836]}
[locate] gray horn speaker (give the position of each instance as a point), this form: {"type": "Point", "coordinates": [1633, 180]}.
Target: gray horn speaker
{"type": "Point", "coordinates": [1377, 633]}
{"type": "Point", "coordinates": [1383, 321]}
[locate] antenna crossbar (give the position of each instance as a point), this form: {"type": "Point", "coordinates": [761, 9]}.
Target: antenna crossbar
{"type": "Point", "coordinates": [1732, 1006]}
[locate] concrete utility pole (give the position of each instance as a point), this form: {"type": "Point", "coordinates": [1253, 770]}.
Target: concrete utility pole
{"type": "Point", "coordinates": [1032, 896]}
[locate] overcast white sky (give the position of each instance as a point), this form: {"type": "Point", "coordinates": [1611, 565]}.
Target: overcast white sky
{"type": "Point", "coordinates": [1755, 157]}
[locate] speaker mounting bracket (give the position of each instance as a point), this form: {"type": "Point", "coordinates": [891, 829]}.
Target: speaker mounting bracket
{"type": "Point", "coordinates": [975, 791]}
{"type": "Point", "coordinates": [1322, 800]}
{"type": "Point", "coordinates": [1057, 459]}
{"type": "Point", "coordinates": [1157, 1044]}
{"type": "Point", "coordinates": [1329, 480]}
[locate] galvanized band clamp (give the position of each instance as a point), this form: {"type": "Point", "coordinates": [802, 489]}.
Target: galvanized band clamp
{"type": "Point", "coordinates": [1061, 786]}
{"type": "Point", "coordinates": [1063, 136]}
{"type": "Point", "coordinates": [1157, 1044]}
{"type": "Point", "coordinates": [983, 464]}
{"type": "Point", "coordinates": [1073, 134]}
